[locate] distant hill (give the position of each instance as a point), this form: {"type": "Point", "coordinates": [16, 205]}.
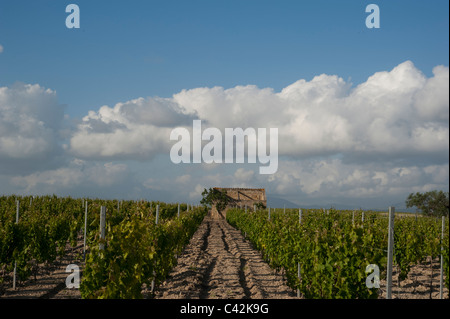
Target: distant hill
{"type": "Point", "coordinates": [277, 202]}
{"type": "Point", "coordinates": [280, 203]}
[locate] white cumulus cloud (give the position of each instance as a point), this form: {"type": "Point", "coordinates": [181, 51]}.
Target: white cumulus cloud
{"type": "Point", "coordinates": [137, 129]}
{"type": "Point", "coordinates": [394, 112]}
{"type": "Point", "coordinates": [30, 122]}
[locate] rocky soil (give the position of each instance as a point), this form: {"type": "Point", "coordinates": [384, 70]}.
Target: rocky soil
{"type": "Point", "coordinates": [218, 263]}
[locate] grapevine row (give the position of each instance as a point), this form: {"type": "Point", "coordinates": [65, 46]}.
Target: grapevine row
{"type": "Point", "coordinates": [48, 223]}
{"type": "Point", "coordinates": [137, 252]}
{"type": "Point", "coordinates": [333, 249]}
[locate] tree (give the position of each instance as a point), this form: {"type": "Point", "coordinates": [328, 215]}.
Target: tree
{"type": "Point", "coordinates": [215, 197]}
{"type": "Point", "coordinates": [431, 203]}
{"type": "Point", "coordinates": [260, 205]}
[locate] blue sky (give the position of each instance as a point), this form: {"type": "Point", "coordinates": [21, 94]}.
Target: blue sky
{"type": "Point", "coordinates": [127, 50]}
{"type": "Point", "coordinates": [157, 48]}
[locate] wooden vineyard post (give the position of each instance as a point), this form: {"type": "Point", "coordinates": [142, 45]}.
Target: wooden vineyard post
{"type": "Point", "coordinates": [362, 219]}
{"type": "Point", "coordinates": [15, 262]}
{"type": "Point", "coordinates": [85, 229]}
{"type": "Point", "coordinates": [269, 212]}
{"type": "Point", "coordinates": [154, 273]}
{"type": "Point", "coordinates": [102, 226]}
{"type": "Point", "coordinates": [157, 214]}
{"type": "Point", "coordinates": [300, 216]}
{"type": "Point", "coordinates": [178, 214]}
{"type": "Point", "coordinates": [299, 280]}
{"type": "Point", "coordinates": [353, 218]}
{"type": "Point", "coordinates": [390, 253]}
{"type": "Point", "coordinates": [441, 288]}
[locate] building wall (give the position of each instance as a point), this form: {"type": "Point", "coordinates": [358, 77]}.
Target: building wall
{"type": "Point", "coordinates": [240, 197]}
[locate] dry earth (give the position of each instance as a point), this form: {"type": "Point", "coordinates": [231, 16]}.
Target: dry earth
{"type": "Point", "coordinates": [218, 263]}
{"type": "Point", "coordinates": [50, 281]}
{"type": "Point", "coordinates": [423, 282]}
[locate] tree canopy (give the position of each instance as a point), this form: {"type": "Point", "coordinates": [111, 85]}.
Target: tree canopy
{"type": "Point", "coordinates": [215, 197]}
{"type": "Point", "coordinates": [434, 203]}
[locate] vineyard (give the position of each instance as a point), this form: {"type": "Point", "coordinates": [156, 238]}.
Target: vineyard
{"type": "Point", "coordinates": [137, 250]}
{"type": "Point", "coordinates": [161, 250]}
{"type": "Point", "coordinates": [325, 254]}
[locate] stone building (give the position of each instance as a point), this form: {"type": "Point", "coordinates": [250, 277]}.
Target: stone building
{"type": "Point", "coordinates": [239, 197]}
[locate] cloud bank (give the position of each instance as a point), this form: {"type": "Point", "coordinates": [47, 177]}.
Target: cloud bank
{"type": "Point", "coordinates": [31, 128]}
{"type": "Point", "coordinates": [393, 113]}
{"type": "Point", "coordinates": [387, 136]}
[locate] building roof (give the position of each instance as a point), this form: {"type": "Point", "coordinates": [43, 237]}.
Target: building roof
{"type": "Point", "coordinates": [240, 188]}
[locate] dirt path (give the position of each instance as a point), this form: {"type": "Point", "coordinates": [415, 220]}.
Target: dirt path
{"type": "Point", "coordinates": [218, 263]}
